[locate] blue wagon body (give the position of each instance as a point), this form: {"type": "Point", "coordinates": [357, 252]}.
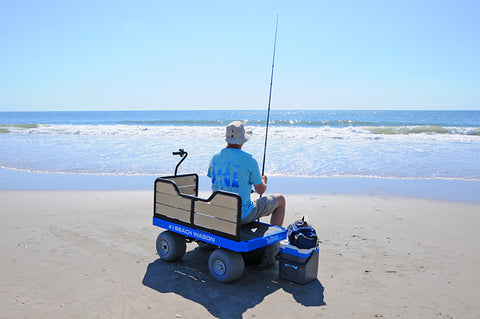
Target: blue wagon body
{"type": "Point", "coordinates": [267, 235]}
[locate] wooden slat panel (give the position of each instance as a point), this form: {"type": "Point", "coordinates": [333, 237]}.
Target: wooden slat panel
{"type": "Point", "coordinates": [166, 188]}
{"type": "Point", "coordinates": [215, 223]}
{"type": "Point", "coordinates": [184, 180]}
{"type": "Point", "coordinates": [188, 190]}
{"type": "Point", "coordinates": [172, 212]}
{"type": "Point", "coordinates": [225, 201]}
{"type": "Point", "coordinates": [175, 201]}
{"type": "Point", "coordinates": [216, 211]}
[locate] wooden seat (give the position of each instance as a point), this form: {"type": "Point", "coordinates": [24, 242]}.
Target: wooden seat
{"type": "Point", "coordinates": [176, 199]}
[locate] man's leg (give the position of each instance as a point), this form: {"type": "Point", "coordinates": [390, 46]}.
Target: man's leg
{"type": "Point", "coordinates": [276, 218]}
{"type": "Point", "coordinates": [279, 213]}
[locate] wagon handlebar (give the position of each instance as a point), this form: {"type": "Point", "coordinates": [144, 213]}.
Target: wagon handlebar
{"type": "Point", "coordinates": [183, 155]}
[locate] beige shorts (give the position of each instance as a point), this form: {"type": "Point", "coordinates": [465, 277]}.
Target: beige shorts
{"type": "Point", "coordinates": [264, 206]}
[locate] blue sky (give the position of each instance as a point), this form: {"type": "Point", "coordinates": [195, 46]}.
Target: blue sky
{"type": "Point", "coordinates": [145, 55]}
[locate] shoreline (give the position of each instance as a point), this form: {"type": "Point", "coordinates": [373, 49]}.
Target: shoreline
{"type": "Point", "coordinates": [435, 189]}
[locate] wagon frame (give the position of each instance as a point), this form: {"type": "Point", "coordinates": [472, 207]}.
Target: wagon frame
{"type": "Point", "coordinates": [214, 222]}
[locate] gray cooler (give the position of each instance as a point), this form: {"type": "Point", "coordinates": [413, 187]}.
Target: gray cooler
{"type": "Point", "coordinates": [297, 265]}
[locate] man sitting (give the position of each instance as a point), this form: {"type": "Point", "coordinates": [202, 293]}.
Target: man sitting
{"type": "Point", "coordinates": [236, 171]}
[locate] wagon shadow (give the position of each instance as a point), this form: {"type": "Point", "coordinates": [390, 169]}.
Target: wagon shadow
{"type": "Point", "coordinates": [191, 279]}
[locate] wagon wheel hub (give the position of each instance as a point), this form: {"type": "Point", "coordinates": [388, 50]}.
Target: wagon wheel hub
{"type": "Point", "coordinates": [219, 267]}
{"type": "Point", "coordinates": [164, 246]}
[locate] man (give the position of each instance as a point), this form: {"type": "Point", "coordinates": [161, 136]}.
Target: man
{"type": "Point", "coordinates": [236, 171]}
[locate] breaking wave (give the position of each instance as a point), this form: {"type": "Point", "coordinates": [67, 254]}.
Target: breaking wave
{"type": "Point", "coordinates": [281, 131]}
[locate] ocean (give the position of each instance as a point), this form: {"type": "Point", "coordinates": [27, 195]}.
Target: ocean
{"type": "Point", "coordinates": [301, 143]}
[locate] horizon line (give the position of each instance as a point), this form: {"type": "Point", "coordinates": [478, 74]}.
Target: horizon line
{"type": "Point", "coordinates": [245, 109]}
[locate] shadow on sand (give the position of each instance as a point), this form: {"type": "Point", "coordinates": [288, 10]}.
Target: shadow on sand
{"type": "Point", "coordinates": [191, 279]}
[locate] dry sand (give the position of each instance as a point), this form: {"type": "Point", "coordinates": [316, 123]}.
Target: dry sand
{"type": "Point", "coordinates": [91, 254]}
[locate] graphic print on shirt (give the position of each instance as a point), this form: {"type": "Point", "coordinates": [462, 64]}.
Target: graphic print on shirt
{"type": "Point", "coordinates": [225, 176]}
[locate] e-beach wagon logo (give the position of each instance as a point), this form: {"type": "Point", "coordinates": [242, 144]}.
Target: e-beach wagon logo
{"type": "Point", "coordinates": [191, 233]}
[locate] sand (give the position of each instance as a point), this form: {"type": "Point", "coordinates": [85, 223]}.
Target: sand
{"type": "Point", "coordinates": [91, 254]}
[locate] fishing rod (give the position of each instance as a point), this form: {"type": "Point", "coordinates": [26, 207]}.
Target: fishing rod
{"type": "Point", "coordinates": [269, 98]}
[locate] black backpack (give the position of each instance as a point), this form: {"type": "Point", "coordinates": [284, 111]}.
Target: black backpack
{"type": "Point", "coordinates": [302, 235]}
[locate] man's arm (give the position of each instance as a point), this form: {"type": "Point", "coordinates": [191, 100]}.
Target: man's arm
{"type": "Point", "coordinates": [261, 188]}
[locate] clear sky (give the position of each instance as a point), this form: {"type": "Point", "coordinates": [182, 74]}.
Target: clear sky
{"type": "Point", "coordinates": [144, 55]}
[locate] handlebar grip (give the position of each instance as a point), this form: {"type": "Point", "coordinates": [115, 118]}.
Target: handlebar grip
{"type": "Point", "coordinates": [180, 152]}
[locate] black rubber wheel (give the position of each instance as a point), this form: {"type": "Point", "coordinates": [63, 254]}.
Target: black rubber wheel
{"type": "Point", "coordinates": [226, 265]}
{"type": "Point", "coordinates": [253, 257]}
{"type": "Point", "coordinates": [171, 246]}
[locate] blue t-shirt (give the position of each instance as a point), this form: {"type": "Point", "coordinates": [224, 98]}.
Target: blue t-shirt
{"type": "Point", "coordinates": [234, 170]}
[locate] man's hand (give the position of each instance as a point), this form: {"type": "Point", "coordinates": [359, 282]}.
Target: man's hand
{"type": "Point", "coordinates": [261, 188]}
{"type": "Point", "coordinates": [264, 179]}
